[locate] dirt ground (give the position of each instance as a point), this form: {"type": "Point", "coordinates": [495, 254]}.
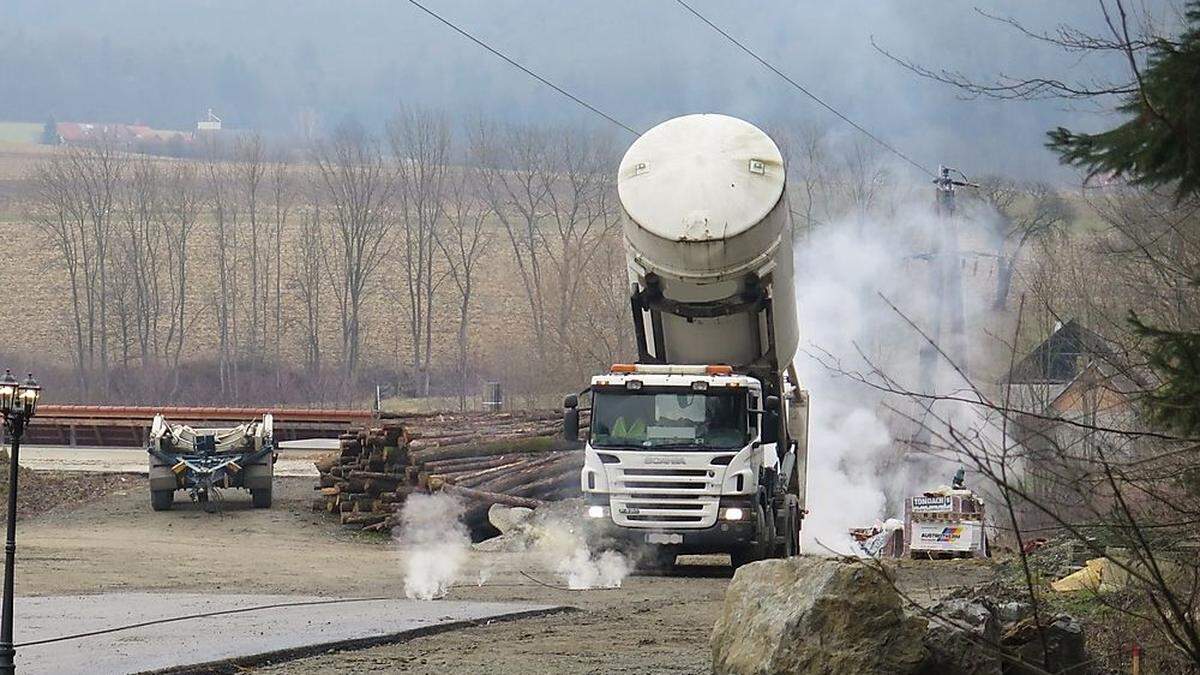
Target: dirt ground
{"type": "Point", "coordinates": [42, 491]}
{"type": "Point", "coordinates": [652, 624]}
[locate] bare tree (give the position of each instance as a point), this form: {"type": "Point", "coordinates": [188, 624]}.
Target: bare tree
{"type": "Point", "coordinates": [554, 194]}
{"type": "Point", "coordinates": [1092, 472]}
{"type": "Point", "coordinates": [863, 176]}
{"type": "Point", "coordinates": [75, 206]}
{"type": "Point", "coordinates": [420, 143]}
{"type": "Point", "coordinates": [140, 245]}
{"type": "Point", "coordinates": [282, 201]}
{"type": "Point", "coordinates": [464, 241]}
{"type": "Point", "coordinates": [810, 175]}
{"type": "Point", "coordinates": [223, 206]}
{"type": "Point", "coordinates": [582, 214]}
{"type": "Point", "coordinates": [514, 164]}
{"type": "Point", "coordinates": [358, 186]}
{"type": "Point", "coordinates": [1024, 213]}
{"type": "Point", "coordinates": [251, 172]}
{"type": "Point", "coordinates": [1127, 37]}
{"type": "Point", "coordinates": [603, 334]}
{"type": "Point", "coordinates": [183, 204]}
{"type": "Point", "coordinates": [61, 221]}
{"type": "Point", "coordinates": [307, 277]}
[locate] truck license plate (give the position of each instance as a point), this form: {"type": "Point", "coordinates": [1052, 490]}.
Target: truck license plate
{"type": "Point", "coordinates": [663, 538]}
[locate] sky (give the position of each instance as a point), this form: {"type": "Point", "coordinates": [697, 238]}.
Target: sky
{"type": "Point", "coordinates": [277, 65]}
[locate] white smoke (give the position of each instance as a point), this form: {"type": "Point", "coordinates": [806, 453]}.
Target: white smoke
{"type": "Point", "coordinates": [855, 474]}
{"type": "Point", "coordinates": [565, 548]}
{"type": "Point", "coordinates": [435, 544]}
{"type": "Point", "coordinates": [583, 570]}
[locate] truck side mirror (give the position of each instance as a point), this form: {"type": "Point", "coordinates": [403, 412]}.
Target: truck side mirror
{"type": "Point", "coordinates": [571, 419]}
{"type": "Point", "coordinates": [771, 404]}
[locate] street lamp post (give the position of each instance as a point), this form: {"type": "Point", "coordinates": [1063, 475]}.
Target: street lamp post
{"type": "Point", "coordinates": [18, 402]}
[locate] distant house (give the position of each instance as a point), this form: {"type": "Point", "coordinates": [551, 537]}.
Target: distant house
{"type": "Point", "coordinates": [1073, 398]}
{"type": "Point", "coordinates": [76, 133]}
{"type": "Point", "coordinates": [210, 122]}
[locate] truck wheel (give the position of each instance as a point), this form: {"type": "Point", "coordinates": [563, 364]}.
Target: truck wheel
{"type": "Point", "coordinates": [792, 543]}
{"type": "Point", "coordinates": [787, 532]}
{"type": "Point", "coordinates": [261, 498]}
{"type": "Point", "coordinates": [787, 547]}
{"type": "Point", "coordinates": [161, 500]}
{"type": "Point", "coordinates": [764, 547]}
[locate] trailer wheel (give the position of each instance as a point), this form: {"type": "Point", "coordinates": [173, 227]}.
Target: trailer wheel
{"type": "Point", "coordinates": [261, 498]}
{"type": "Point", "coordinates": [161, 500]}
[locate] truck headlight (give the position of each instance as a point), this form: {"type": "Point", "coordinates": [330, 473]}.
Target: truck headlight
{"type": "Point", "coordinates": [595, 511]}
{"type": "Point", "coordinates": [733, 513]}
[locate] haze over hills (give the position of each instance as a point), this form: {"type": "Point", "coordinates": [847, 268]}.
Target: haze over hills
{"type": "Point", "coordinates": [280, 66]}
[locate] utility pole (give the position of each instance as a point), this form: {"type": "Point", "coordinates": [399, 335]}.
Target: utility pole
{"type": "Point", "coordinates": [945, 290]}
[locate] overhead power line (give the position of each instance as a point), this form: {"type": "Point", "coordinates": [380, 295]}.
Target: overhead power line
{"type": "Point", "coordinates": [891, 148]}
{"type": "Point", "coordinates": [523, 69]}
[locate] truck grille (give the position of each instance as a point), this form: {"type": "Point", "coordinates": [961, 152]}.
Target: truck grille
{"type": "Point", "coordinates": [674, 497]}
{"type": "Point", "coordinates": [691, 473]}
{"type": "Point", "coordinates": [639, 479]}
{"type": "Point", "coordinates": [652, 510]}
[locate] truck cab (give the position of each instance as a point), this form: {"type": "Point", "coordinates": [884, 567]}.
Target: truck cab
{"type": "Point", "coordinates": [686, 459]}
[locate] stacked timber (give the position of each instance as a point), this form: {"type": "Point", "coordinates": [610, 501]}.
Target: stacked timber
{"type": "Point", "coordinates": [365, 480]}
{"type": "Point", "coordinates": [482, 458]}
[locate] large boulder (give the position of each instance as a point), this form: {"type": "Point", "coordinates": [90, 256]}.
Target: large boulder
{"type": "Point", "coordinates": [963, 639]}
{"type": "Point", "coordinates": [814, 615]}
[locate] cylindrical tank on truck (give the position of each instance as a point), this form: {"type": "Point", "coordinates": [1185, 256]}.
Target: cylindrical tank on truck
{"type": "Point", "coordinates": [699, 446]}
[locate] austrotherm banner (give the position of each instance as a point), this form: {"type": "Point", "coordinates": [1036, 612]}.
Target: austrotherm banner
{"type": "Point", "coordinates": [944, 536]}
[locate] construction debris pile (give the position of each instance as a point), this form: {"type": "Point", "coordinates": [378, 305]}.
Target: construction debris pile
{"type": "Point", "coordinates": [514, 458]}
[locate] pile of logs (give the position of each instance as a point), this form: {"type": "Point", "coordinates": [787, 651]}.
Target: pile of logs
{"type": "Point", "coordinates": [513, 458]}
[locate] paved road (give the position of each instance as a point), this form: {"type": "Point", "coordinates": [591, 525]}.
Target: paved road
{"type": "Point", "coordinates": [295, 458]}
{"type": "Point", "coordinates": [248, 633]}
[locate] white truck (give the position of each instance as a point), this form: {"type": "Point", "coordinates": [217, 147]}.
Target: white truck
{"type": "Point", "coordinates": [700, 446]}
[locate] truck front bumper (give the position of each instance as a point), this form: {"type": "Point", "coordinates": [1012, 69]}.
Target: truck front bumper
{"type": "Point", "coordinates": [724, 536]}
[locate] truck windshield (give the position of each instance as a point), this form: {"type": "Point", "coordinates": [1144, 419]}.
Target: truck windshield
{"type": "Point", "coordinates": [669, 419]}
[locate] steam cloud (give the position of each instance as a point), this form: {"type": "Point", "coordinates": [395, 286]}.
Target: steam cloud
{"type": "Point", "coordinates": [437, 547]}
{"type": "Point", "coordinates": [855, 474]}
{"type": "Point", "coordinates": [561, 542]}
{"type": "Point", "coordinates": [435, 542]}
{"type": "Point", "coordinates": [583, 570]}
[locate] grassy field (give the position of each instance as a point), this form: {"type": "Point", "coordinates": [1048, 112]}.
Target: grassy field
{"type": "Point", "coordinates": [20, 132]}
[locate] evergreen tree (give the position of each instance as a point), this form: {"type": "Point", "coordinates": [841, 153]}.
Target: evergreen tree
{"type": "Point", "coordinates": [1160, 142]}
{"type": "Point", "coordinates": [1175, 357]}
{"type": "Point", "coordinates": [1158, 145]}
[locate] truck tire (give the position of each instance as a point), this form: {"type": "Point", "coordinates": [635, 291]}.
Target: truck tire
{"type": "Point", "coordinates": [261, 498]}
{"type": "Point", "coordinates": [790, 545]}
{"type": "Point", "coordinates": [765, 545]}
{"type": "Point", "coordinates": [161, 500]}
